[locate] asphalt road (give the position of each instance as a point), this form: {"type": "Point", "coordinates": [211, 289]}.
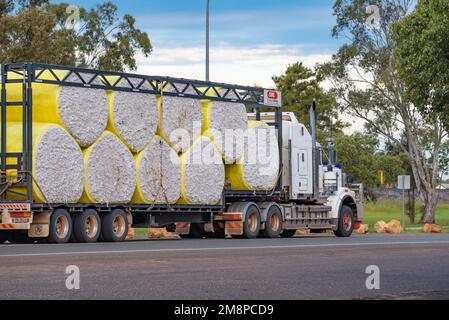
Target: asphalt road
{"type": "Point", "coordinates": [312, 267]}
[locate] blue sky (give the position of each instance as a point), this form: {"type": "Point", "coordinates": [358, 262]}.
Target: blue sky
{"type": "Point", "coordinates": [251, 40]}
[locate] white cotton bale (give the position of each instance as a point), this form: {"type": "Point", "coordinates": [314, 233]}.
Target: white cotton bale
{"type": "Point", "coordinates": [83, 112]}
{"type": "Point", "coordinates": [133, 117]}
{"type": "Point", "coordinates": [110, 171]}
{"type": "Point", "coordinates": [226, 124]}
{"type": "Point", "coordinates": [58, 166]}
{"type": "Point", "coordinates": [202, 174]}
{"type": "Point", "coordinates": [180, 121]}
{"type": "Point", "coordinates": [259, 167]}
{"type": "Point", "coordinates": [158, 174]}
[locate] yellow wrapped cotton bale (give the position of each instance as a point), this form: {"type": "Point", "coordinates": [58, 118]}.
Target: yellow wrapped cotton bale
{"type": "Point", "coordinates": [158, 174]}
{"type": "Point", "coordinates": [110, 171]}
{"type": "Point", "coordinates": [180, 121]}
{"type": "Point", "coordinates": [226, 124]}
{"type": "Point", "coordinates": [259, 167]}
{"type": "Point", "coordinates": [133, 117]}
{"type": "Point", "coordinates": [202, 174]}
{"type": "Point", "coordinates": [58, 166]}
{"type": "Point", "coordinates": [83, 112]}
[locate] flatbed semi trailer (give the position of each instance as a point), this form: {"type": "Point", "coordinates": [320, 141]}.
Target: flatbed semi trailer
{"type": "Point", "coordinates": [308, 194]}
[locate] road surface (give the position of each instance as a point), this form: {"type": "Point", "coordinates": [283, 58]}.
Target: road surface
{"type": "Point", "coordinates": [312, 267]}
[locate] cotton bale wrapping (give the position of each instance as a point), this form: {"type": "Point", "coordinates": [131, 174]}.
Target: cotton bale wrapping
{"type": "Point", "coordinates": [82, 111]}
{"type": "Point", "coordinates": [58, 166]}
{"type": "Point", "coordinates": [110, 171]}
{"type": "Point", "coordinates": [226, 124]}
{"type": "Point", "coordinates": [258, 169]}
{"type": "Point", "coordinates": [158, 174]}
{"type": "Point", "coordinates": [180, 121]}
{"type": "Point", "coordinates": [202, 174]}
{"type": "Point", "coordinates": [133, 116]}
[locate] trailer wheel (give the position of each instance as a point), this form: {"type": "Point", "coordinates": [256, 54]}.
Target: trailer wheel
{"type": "Point", "coordinates": [251, 225]}
{"type": "Point", "coordinates": [114, 226]}
{"type": "Point", "coordinates": [345, 222]}
{"type": "Point", "coordinates": [87, 226]}
{"type": "Point", "coordinates": [288, 233]}
{"type": "Point", "coordinates": [273, 225]}
{"type": "Point", "coordinates": [60, 226]}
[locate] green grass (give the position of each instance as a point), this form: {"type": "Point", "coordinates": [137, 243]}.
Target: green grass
{"type": "Point", "coordinates": [391, 209]}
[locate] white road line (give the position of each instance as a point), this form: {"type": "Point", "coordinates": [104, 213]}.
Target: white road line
{"type": "Point", "coordinates": [224, 248]}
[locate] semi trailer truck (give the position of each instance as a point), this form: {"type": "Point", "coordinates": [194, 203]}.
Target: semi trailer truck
{"type": "Point", "coordinates": [312, 191]}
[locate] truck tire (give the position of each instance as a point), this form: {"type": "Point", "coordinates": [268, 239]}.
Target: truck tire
{"type": "Point", "coordinates": [61, 226]}
{"type": "Point", "coordinates": [288, 233]}
{"type": "Point", "coordinates": [251, 225]}
{"type": "Point", "coordinates": [114, 226]}
{"type": "Point", "coordinates": [87, 226]}
{"type": "Point", "coordinates": [345, 222]}
{"type": "Point", "coordinates": [273, 225]}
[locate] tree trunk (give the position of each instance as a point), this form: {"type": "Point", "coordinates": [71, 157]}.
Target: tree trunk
{"type": "Point", "coordinates": [412, 209]}
{"type": "Point", "coordinates": [429, 207]}
{"type": "Point", "coordinates": [411, 205]}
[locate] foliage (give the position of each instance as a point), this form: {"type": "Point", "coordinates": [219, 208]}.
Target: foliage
{"type": "Point", "coordinates": [36, 30]}
{"type": "Point", "coordinates": [365, 80]}
{"type": "Point", "coordinates": [300, 87]}
{"type": "Point", "coordinates": [360, 155]}
{"type": "Point", "coordinates": [422, 55]}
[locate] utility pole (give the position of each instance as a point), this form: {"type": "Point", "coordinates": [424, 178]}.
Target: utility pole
{"type": "Point", "coordinates": [207, 39]}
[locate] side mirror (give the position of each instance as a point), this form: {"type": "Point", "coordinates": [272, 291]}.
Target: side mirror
{"type": "Point", "coordinates": [349, 179]}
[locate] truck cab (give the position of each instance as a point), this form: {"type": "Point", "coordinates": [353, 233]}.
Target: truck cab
{"type": "Point", "coordinates": [308, 179]}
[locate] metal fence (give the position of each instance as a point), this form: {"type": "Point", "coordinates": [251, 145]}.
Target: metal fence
{"type": "Point", "coordinates": [395, 194]}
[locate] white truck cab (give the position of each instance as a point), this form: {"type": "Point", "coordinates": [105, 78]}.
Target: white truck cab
{"type": "Point", "coordinates": [299, 181]}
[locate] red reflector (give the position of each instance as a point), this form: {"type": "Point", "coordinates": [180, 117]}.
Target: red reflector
{"type": "Point", "coordinates": [20, 214]}
{"type": "Point", "coordinates": [228, 217]}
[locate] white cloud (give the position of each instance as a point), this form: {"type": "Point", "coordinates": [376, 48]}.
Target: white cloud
{"type": "Point", "coordinates": [240, 65]}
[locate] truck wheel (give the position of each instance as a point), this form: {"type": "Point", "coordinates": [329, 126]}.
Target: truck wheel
{"type": "Point", "coordinates": [273, 225]}
{"type": "Point", "coordinates": [60, 226]}
{"type": "Point", "coordinates": [251, 225]}
{"type": "Point", "coordinates": [345, 222]}
{"type": "Point", "coordinates": [288, 233]}
{"type": "Point", "coordinates": [87, 226]}
{"type": "Point", "coordinates": [114, 226]}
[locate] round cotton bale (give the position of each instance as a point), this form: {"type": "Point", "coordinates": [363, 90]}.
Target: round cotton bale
{"type": "Point", "coordinates": [226, 124]}
{"type": "Point", "coordinates": [158, 174]}
{"type": "Point", "coordinates": [58, 166]}
{"type": "Point", "coordinates": [83, 112]}
{"type": "Point", "coordinates": [259, 167]}
{"type": "Point", "coordinates": [202, 174]}
{"type": "Point", "coordinates": [110, 171]}
{"type": "Point", "coordinates": [180, 121]}
{"type": "Point", "coordinates": [133, 117]}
